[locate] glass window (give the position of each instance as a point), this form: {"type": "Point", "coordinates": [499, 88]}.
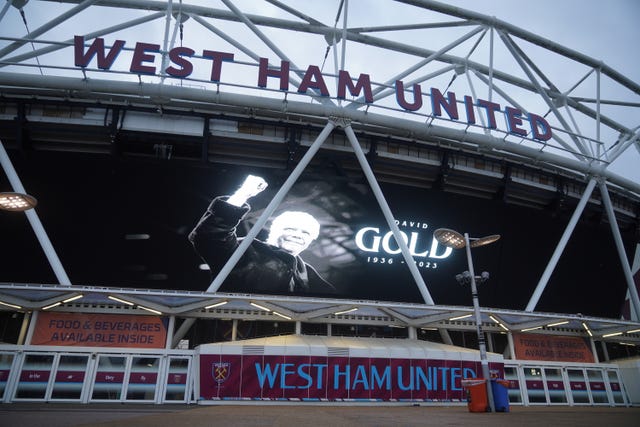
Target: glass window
{"type": "Point", "coordinates": [109, 378]}
{"type": "Point", "coordinates": [555, 385]}
{"type": "Point", "coordinates": [34, 377]}
{"type": "Point", "coordinates": [511, 374]}
{"type": "Point", "coordinates": [143, 378]}
{"type": "Point", "coordinates": [535, 385]}
{"type": "Point", "coordinates": [69, 377]}
{"type": "Point", "coordinates": [6, 360]}
{"type": "Point", "coordinates": [616, 388]}
{"type": "Point", "coordinates": [597, 387]}
{"type": "Point", "coordinates": [177, 379]}
{"type": "Point", "coordinates": [578, 385]}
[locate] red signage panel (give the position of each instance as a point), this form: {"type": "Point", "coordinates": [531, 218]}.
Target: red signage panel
{"type": "Point", "coordinates": [552, 348]}
{"type": "Point", "coordinates": [279, 377]}
{"type": "Point", "coordinates": [100, 330]}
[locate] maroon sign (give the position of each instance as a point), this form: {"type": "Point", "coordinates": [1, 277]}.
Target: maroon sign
{"type": "Point", "coordinates": [183, 58]}
{"type": "Point", "coordinates": [279, 377]}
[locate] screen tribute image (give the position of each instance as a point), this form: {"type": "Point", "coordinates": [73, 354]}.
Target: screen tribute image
{"type": "Point", "coordinates": [170, 225]}
{"type": "Point", "coordinates": [329, 238]}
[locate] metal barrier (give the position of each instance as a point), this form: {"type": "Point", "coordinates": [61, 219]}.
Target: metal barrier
{"type": "Point", "coordinates": [86, 375]}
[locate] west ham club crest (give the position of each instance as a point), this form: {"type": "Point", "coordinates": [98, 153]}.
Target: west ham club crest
{"type": "Point", "coordinates": [220, 371]}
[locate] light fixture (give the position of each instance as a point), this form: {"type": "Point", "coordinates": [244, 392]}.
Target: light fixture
{"type": "Point", "coordinates": [111, 297]}
{"type": "Point", "coordinates": [218, 304]}
{"type": "Point", "coordinates": [484, 240]}
{"type": "Point", "coordinates": [456, 240]}
{"type": "Point", "coordinates": [120, 300]}
{"type": "Point", "coordinates": [260, 306]}
{"type": "Point", "coordinates": [137, 236]}
{"type": "Point", "coordinates": [10, 305]}
{"type": "Point", "coordinates": [72, 298]}
{"type": "Point", "coordinates": [351, 310]}
{"type": "Point", "coordinates": [464, 316]}
{"type": "Point", "coordinates": [614, 334]}
{"type": "Point", "coordinates": [149, 309]}
{"type": "Point", "coordinates": [530, 329]}
{"type": "Point", "coordinates": [449, 238]}
{"type": "Point", "coordinates": [558, 323]}
{"type": "Point", "coordinates": [17, 202]}
{"type": "Point", "coordinates": [281, 315]}
{"type": "Point", "coordinates": [586, 328]}
{"type": "Point", "coordinates": [52, 305]}
{"type": "Point", "coordinates": [499, 323]}
{"type": "Point", "coordinates": [633, 331]}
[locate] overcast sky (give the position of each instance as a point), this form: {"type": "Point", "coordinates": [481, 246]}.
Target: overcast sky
{"type": "Point", "coordinates": [605, 30]}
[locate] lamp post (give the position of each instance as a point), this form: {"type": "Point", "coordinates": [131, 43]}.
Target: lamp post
{"type": "Point", "coordinates": [455, 240]}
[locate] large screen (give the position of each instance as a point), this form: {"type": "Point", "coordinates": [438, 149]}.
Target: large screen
{"type": "Point", "coordinates": [167, 224]}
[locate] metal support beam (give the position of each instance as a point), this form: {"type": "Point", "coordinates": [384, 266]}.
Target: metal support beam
{"type": "Point", "coordinates": [6, 7]}
{"type": "Point", "coordinates": [170, 329]}
{"type": "Point", "coordinates": [46, 27]}
{"type": "Point", "coordinates": [63, 45]}
{"type": "Point", "coordinates": [23, 328]}
{"type": "Point", "coordinates": [182, 331]}
{"type": "Point", "coordinates": [388, 215]}
{"type": "Point", "coordinates": [512, 347]}
{"type": "Point", "coordinates": [377, 93]}
{"type": "Point", "coordinates": [519, 59]}
{"type": "Point", "coordinates": [32, 328]}
{"type": "Point", "coordinates": [537, 293]}
{"type": "Point", "coordinates": [594, 350]}
{"type": "Point", "coordinates": [34, 220]}
{"type": "Point", "coordinates": [617, 237]}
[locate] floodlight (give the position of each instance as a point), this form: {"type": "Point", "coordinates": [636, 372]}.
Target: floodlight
{"type": "Point", "coordinates": [449, 238]}
{"type": "Point", "coordinates": [17, 202]}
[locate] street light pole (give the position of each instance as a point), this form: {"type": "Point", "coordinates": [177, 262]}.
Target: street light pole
{"type": "Point", "coordinates": [455, 240]}
{"type": "Point", "coordinates": [478, 319]}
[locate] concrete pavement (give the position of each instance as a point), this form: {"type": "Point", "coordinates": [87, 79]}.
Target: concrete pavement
{"type": "Point", "coordinates": [73, 415]}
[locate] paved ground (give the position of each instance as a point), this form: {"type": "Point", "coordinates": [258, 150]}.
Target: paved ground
{"type": "Point", "coordinates": [62, 415]}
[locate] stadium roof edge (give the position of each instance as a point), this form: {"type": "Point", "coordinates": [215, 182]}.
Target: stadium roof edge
{"type": "Point", "coordinates": [151, 92]}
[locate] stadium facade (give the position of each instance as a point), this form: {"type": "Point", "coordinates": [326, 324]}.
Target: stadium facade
{"type": "Point", "coordinates": [135, 278]}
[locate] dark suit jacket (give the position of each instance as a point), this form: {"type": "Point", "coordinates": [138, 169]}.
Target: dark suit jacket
{"type": "Point", "coordinates": [263, 268]}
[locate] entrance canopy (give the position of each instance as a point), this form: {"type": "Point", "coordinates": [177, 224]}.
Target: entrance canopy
{"type": "Point", "coordinates": [305, 345]}
{"type": "Point", "coordinates": [88, 299]}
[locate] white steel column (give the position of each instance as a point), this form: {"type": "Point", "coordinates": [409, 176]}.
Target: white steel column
{"type": "Point", "coordinates": [32, 328]}
{"type": "Point", "coordinates": [537, 293]}
{"type": "Point", "coordinates": [388, 215]}
{"type": "Point", "coordinates": [182, 331]}
{"type": "Point", "coordinates": [5, 8]}
{"type": "Point", "coordinates": [34, 220]}
{"type": "Point", "coordinates": [617, 237]}
{"type": "Point", "coordinates": [170, 329]}
{"type": "Point", "coordinates": [234, 330]}
{"type": "Point", "coordinates": [594, 350]}
{"type": "Point", "coordinates": [512, 347]}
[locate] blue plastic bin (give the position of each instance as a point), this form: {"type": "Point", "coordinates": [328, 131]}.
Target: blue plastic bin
{"type": "Point", "coordinates": [500, 390]}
